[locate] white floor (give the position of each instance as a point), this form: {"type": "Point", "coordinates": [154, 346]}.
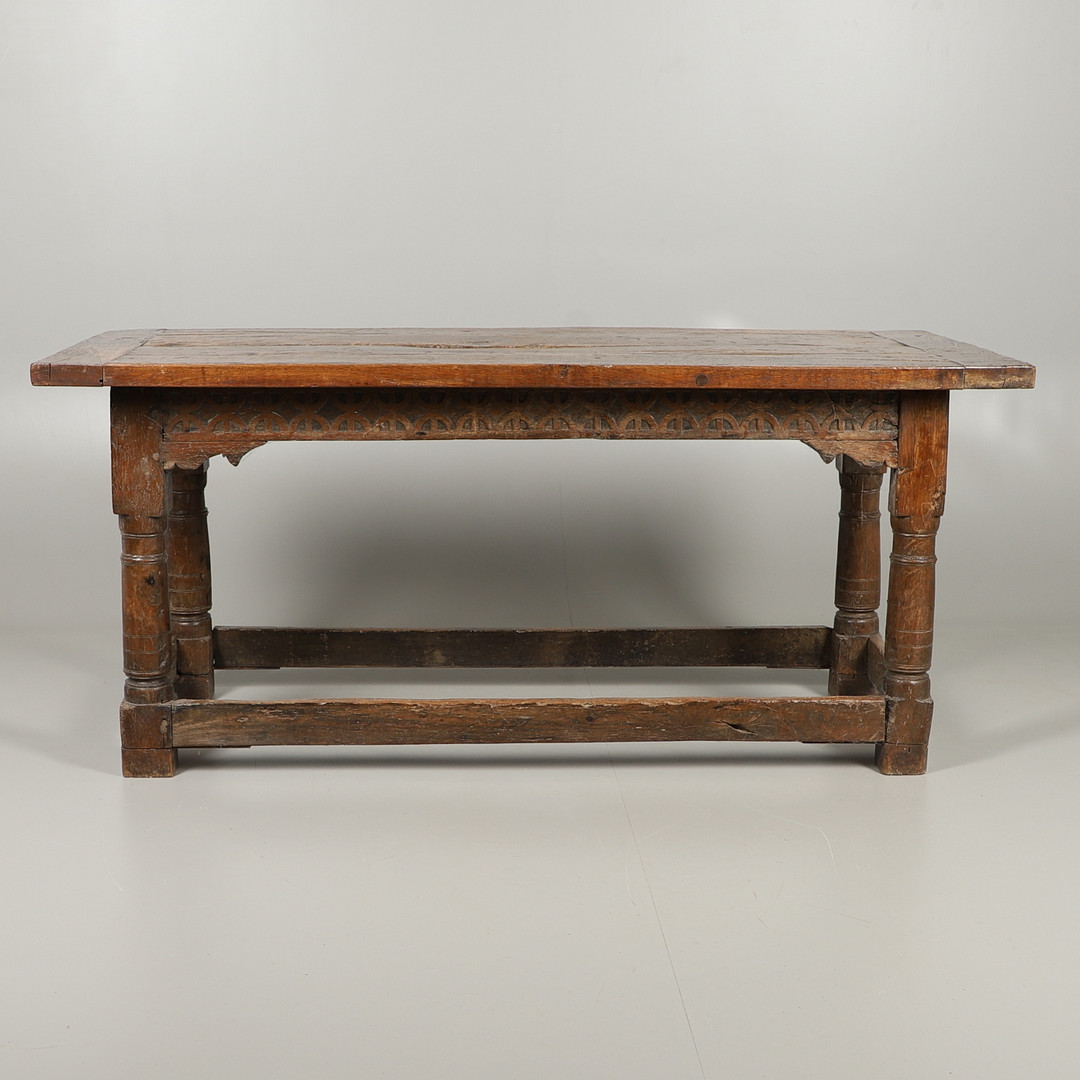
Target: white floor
{"type": "Point", "coordinates": [643, 912]}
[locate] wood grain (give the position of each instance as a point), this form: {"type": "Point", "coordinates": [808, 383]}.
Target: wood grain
{"type": "Point", "coordinates": [373, 722]}
{"type": "Point", "coordinates": [858, 575]}
{"type": "Point", "coordinates": [875, 663]}
{"type": "Point", "coordinates": [189, 583]}
{"type": "Point", "coordinates": [197, 424]}
{"type": "Point", "coordinates": [916, 503]}
{"type": "Point", "coordinates": [283, 647]}
{"type": "Point", "coordinates": [535, 357]}
{"type": "Point", "coordinates": [140, 495]}
{"type": "Point", "coordinates": [870, 399]}
{"type": "Point", "coordinates": [148, 763]}
{"type": "Point", "coordinates": [138, 473]}
{"type": "Point", "coordinates": [82, 364]}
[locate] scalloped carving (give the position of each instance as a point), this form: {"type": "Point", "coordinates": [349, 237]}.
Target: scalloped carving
{"type": "Point", "coordinates": [198, 424]}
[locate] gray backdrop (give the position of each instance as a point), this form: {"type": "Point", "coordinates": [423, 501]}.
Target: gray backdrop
{"type": "Point", "coordinates": [759, 163]}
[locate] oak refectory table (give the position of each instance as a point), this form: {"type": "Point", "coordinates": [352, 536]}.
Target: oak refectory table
{"type": "Point", "coordinates": [869, 401]}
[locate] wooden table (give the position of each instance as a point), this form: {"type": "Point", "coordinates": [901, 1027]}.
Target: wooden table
{"type": "Point", "coordinates": [871, 401]}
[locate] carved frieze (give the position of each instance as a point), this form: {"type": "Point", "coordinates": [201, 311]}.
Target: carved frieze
{"type": "Point", "coordinates": [197, 424]}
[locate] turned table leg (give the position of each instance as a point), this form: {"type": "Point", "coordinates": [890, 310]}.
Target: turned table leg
{"type": "Point", "coordinates": [858, 575]}
{"type": "Point", "coordinates": [189, 584]}
{"type": "Point", "coordinates": [916, 503]}
{"type": "Point", "coordinates": [139, 499]}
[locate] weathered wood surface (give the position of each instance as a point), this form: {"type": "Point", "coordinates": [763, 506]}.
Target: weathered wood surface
{"type": "Point", "coordinates": [771, 647]}
{"type": "Point", "coordinates": [148, 763]}
{"type": "Point", "coordinates": [548, 357]}
{"type": "Point", "coordinates": [916, 503]}
{"type": "Point", "coordinates": [138, 473]}
{"type": "Point", "coordinates": [140, 500]}
{"type": "Point", "coordinates": [873, 399]}
{"type": "Point", "coordinates": [197, 424]}
{"type": "Point", "coordinates": [379, 722]}
{"type": "Point", "coordinates": [858, 575]}
{"type": "Point", "coordinates": [1014, 374]}
{"type": "Point", "coordinates": [189, 583]}
{"type": "Point", "coordinates": [82, 364]}
{"type": "Point", "coordinates": [875, 664]}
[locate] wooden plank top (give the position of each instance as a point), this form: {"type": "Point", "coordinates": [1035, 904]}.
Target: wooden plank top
{"type": "Point", "coordinates": [546, 358]}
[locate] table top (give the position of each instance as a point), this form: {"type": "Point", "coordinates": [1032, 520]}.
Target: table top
{"type": "Point", "coordinates": [546, 357]}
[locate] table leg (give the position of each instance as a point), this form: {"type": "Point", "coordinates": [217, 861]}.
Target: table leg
{"type": "Point", "coordinates": [916, 503]}
{"type": "Point", "coordinates": [189, 584]}
{"type": "Point", "coordinates": [140, 498]}
{"type": "Point", "coordinates": [858, 575]}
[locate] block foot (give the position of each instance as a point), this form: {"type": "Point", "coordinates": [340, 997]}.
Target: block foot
{"type": "Point", "coordinates": [146, 763]}
{"type": "Point", "coordinates": [901, 759]}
